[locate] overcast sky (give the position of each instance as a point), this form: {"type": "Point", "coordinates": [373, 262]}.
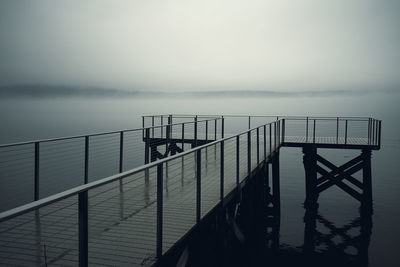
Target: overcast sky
{"type": "Point", "coordinates": [201, 45]}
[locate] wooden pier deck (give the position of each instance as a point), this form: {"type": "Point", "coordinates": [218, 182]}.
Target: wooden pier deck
{"type": "Point", "coordinates": [136, 216]}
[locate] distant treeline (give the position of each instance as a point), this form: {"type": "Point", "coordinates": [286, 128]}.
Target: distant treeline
{"type": "Point", "coordinates": [46, 91]}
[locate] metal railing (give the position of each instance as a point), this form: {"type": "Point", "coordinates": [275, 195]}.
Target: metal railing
{"type": "Point", "coordinates": [252, 147]}
{"type": "Point", "coordinates": [170, 195]}
{"type": "Point", "coordinates": [44, 167]}
{"type": "Point", "coordinates": [334, 130]}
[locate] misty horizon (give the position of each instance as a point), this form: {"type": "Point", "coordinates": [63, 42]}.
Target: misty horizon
{"type": "Point", "coordinates": [49, 91]}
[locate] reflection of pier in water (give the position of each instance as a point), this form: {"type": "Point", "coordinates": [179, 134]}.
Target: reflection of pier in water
{"type": "Point", "coordinates": [196, 177]}
{"type": "Point", "coordinates": [325, 243]}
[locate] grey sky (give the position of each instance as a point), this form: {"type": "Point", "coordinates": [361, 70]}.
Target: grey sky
{"type": "Point", "coordinates": [201, 45]}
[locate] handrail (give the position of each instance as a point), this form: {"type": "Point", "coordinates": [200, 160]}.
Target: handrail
{"type": "Point", "coordinates": [97, 134]}
{"type": "Point", "coordinates": [259, 116]}
{"type": "Point", "coordinates": [76, 190]}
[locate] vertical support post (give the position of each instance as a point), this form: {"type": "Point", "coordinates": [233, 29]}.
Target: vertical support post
{"type": "Point", "coordinates": [198, 185]}
{"type": "Point", "coordinates": [258, 146]}
{"type": "Point", "coordinates": [121, 151]}
{"type": "Point", "coordinates": [223, 127]}
{"type": "Point", "coordinates": [215, 129]}
{"type": "Point", "coordinates": [337, 130]}
{"type": "Point", "coordinates": [249, 122]}
{"type": "Point", "coordinates": [310, 166]}
{"type": "Point", "coordinates": [167, 138]}
{"type": "Point", "coordinates": [379, 134]}
{"type": "Point", "coordinates": [121, 156]}
{"type": "Point", "coordinates": [345, 134]}
{"type": "Point", "coordinates": [367, 182]}
{"type": "Point", "coordinates": [270, 139]}
{"type": "Point", "coordinates": [283, 130]}
{"type": "Point", "coordinates": [147, 146]}
{"type": "Point", "coordinates": [37, 179]}
{"type": "Point", "coordinates": [314, 132]}
{"type": "Point", "coordinates": [83, 216]}
{"type": "Point", "coordinates": [265, 142]}
{"type": "Point", "coordinates": [152, 126]}
{"type": "Point", "coordinates": [195, 132]}
{"type": "Point", "coordinates": [142, 125]}
{"type": "Point", "coordinates": [373, 132]}
{"type": "Point", "coordinates": [159, 210]}
{"type": "Point", "coordinates": [237, 162]}
{"type": "Point", "coordinates": [275, 135]}
{"type": "Point", "coordinates": [222, 166]}
{"type": "Point", "coordinates": [276, 183]}
{"type": "Point", "coordinates": [249, 153]}
{"type": "Point", "coordinates": [86, 177]}
{"type": "Point", "coordinates": [183, 136]}
{"type": "Point", "coordinates": [307, 130]}
{"type": "Point", "coordinates": [206, 130]}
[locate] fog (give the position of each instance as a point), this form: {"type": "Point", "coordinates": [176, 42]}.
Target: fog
{"type": "Point", "coordinates": [201, 45]}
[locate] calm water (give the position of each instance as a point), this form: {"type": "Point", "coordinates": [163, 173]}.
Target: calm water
{"type": "Point", "coordinates": [29, 119]}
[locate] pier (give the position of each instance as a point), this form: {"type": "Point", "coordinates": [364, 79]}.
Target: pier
{"type": "Point", "coordinates": [140, 195]}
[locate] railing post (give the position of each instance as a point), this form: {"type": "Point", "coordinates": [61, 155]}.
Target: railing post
{"type": "Point", "coordinates": [83, 215]}
{"type": "Point", "coordinates": [183, 136]}
{"type": "Point", "coordinates": [121, 156]}
{"type": "Point", "coordinates": [121, 151]}
{"type": "Point", "coordinates": [265, 142]}
{"type": "Point", "coordinates": [162, 128]}
{"type": "Point", "coordinates": [275, 135]}
{"type": "Point", "coordinates": [373, 132]}
{"type": "Point", "coordinates": [337, 130]}
{"type": "Point", "coordinates": [379, 135]}
{"type": "Point", "coordinates": [345, 134]}
{"type": "Point", "coordinates": [198, 185]}
{"type": "Point", "coordinates": [222, 172]}
{"type": "Point", "coordinates": [314, 132]}
{"type": "Point", "coordinates": [152, 125]}
{"type": "Point", "coordinates": [223, 127]}
{"type": "Point", "coordinates": [159, 210]}
{"type": "Point", "coordinates": [258, 146]}
{"type": "Point", "coordinates": [249, 122]}
{"type": "Point", "coordinates": [142, 126]}
{"type": "Point", "coordinates": [147, 146]}
{"type": "Point", "coordinates": [270, 138]}
{"type": "Point", "coordinates": [195, 131]}
{"type": "Point", "coordinates": [283, 130]}
{"type": "Point", "coordinates": [86, 177]}
{"type": "Point", "coordinates": [167, 137]}
{"type": "Point", "coordinates": [237, 161]}
{"type": "Point", "coordinates": [307, 130]}
{"type": "Point", "coordinates": [206, 130]}
{"type": "Point", "coordinates": [37, 179]}
{"type": "Point", "coordinates": [215, 130]}
{"type": "Point", "coordinates": [249, 153]}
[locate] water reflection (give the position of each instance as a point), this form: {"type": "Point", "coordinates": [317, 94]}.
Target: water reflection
{"type": "Point", "coordinates": [326, 243]}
